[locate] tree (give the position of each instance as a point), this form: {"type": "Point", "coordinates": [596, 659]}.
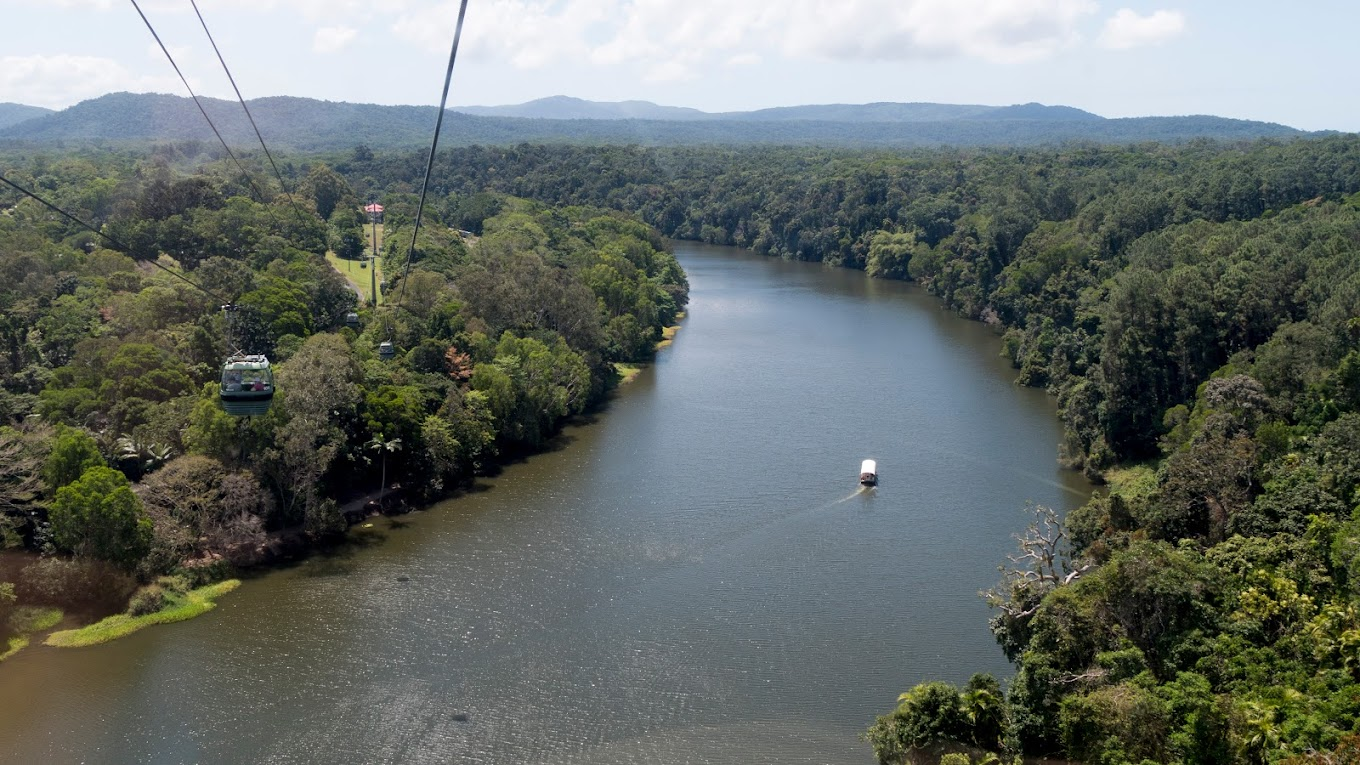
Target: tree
{"type": "Point", "coordinates": [21, 467]}
{"type": "Point", "coordinates": [1124, 718]}
{"type": "Point", "coordinates": [98, 516]}
{"type": "Point", "coordinates": [327, 189]}
{"type": "Point", "coordinates": [936, 712]}
{"type": "Point", "coordinates": [377, 444]}
{"type": "Point", "coordinates": [984, 709]}
{"type": "Point", "coordinates": [221, 512]}
{"type": "Point", "coordinates": [472, 425]}
{"type": "Point", "coordinates": [67, 322]}
{"type": "Point", "coordinates": [1043, 564]}
{"type": "Point", "coordinates": [138, 377]}
{"type": "Point", "coordinates": [210, 430]}
{"type": "Point", "coordinates": [889, 254]}
{"type": "Point", "coordinates": [442, 449]}
{"type": "Point", "coordinates": [319, 392]}
{"type": "Point", "coordinates": [73, 452]}
{"type": "Point", "coordinates": [1204, 487]}
{"type": "Point", "coordinates": [1159, 595]}
{"type": "Point", "coordinates": [346, 233]}
{"type": "Point", "coordinates": [281, 305]}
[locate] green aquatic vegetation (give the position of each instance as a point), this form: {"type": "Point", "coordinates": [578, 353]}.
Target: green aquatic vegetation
{"type": "Point", "coordinates": [627, 372]}
{"type": "Point", "coordinates": [14, 645]}
{"type": "Point", "coordinates": [30, 619]}
{"type": "Point", "coordinates": [177, 608]}
{"type": "Point", "coordinates": [24, 622]}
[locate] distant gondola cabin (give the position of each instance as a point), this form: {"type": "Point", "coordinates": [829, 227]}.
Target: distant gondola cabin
{"type": "Point", "coordinates": [247, 386]}
{"type": "Point", "coordinates": [352, 320]}
{"type": "Point", "coordinates": [386, 350]}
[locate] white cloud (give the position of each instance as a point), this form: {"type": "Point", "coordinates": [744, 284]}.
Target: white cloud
{"type": "Point", "coordinates": [744, 59]}
{"type": "Point", "coordinates": [353, 11]}
{"type": "Point", "coordinates": [333, 39]}
{"type": "Point", "coordinates": [1126, 29]}
{"type": "Point", "coordinates": [530, 34]}
{"type": "Point", "coordinates": [99, 4]}
{"type": "Point", "coordinates": [312, 10]}
{"type": "Point", "coordinates": [881, 30]}
{"type": "Point", "coordinates": [61, 80]}
{"type": "Point", "coordinates": [181, 53]}
{"type": "Point", "coordinates": [675, 39]}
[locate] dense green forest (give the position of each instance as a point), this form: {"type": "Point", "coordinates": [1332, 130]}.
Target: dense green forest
{"type": "Point", "coordinates": [1060, 248]}
{"type": "Point", "coordinates": [1194, 309]}
{"type": "Point", "coordinates": [117, 460]}
{"type": "Point", "coordinates": [1196, 312]}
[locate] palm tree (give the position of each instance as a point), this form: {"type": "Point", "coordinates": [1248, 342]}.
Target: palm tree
{"type": "Point", "coordinates": [377, 443]}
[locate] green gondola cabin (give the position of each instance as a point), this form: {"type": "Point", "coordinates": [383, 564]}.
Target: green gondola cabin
{"type": "Point", "coordinates": [247, 386]}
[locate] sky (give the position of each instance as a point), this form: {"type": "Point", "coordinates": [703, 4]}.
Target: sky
{"type": "Point", "coordinates": [1274, 61]}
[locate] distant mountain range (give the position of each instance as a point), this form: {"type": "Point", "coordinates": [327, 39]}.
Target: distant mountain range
{"type": "Point", "coordinates": [567, 108]}
{"type": "Point", "coordinates": [13, 114]}
{"type": "Point", "coordinates": [305, 124]}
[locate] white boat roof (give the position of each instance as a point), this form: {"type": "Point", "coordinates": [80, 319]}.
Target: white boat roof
{"type": "Point", "coordinates": [868, 466]}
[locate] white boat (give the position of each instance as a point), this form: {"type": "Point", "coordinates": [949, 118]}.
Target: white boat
{"type": "Point", "coordinates": [868, 473]}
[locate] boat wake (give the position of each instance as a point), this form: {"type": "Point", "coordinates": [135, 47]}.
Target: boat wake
{"type": "Point", "coordinates": [851, 495]}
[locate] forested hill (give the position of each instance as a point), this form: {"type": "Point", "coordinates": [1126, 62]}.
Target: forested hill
{"type": "Point", "coordinates": [311, 125]}
{"type": "Point", "coordinates": [13, 114]}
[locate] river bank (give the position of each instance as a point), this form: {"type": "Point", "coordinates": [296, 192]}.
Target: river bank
{"type": "Point", "coordinates": [283, 546]}
{"type": "Point", "coordinates": [629, 372]}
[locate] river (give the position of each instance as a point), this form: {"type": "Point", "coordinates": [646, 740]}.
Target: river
{"type": "Point", "coordinates": [691, 577]}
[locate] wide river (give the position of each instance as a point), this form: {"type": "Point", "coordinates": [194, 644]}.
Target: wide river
{"type": "Point", "coordinates": [693, 577]}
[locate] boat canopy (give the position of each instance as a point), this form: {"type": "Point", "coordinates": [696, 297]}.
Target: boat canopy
{"type": "Point", "coordinates": [868, 466]}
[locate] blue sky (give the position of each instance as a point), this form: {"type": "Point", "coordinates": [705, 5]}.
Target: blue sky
{"type": "Point", "coordinates": [1281, 62]}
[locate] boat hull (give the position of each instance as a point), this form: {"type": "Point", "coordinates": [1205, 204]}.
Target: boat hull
{"type": "Point", "coordinates": [868, 479]}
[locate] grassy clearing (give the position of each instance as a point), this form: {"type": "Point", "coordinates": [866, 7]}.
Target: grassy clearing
{"type": "Point", "coordinates": [178, 608]}
{"type": "Point", "coordinates": [358, 277]}
{"type": "Point", "coordinates": [627, 372]}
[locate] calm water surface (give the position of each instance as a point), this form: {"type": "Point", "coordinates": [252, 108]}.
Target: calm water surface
{"type": "Point", "coordinates": [691, 578]}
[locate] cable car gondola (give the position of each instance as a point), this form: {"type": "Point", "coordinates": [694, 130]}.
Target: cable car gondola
{"type": "Point", "coordinates": [352, 320]}
{"type": "Point", "coordinates": [386, 350]}
{"type": "Point", "coordinates": [247, 386]}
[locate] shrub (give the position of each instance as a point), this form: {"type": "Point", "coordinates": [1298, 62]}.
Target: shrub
{"type": "Point", "coordinates": [176, 583]}
{"type": "Point", "coordinates": [147, 600]}
{"type": "Point", "coordinates": [74, 583]}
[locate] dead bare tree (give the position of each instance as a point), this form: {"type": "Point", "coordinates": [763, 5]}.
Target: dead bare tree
{"type": "Point", "coordinates": [1043, 563]}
